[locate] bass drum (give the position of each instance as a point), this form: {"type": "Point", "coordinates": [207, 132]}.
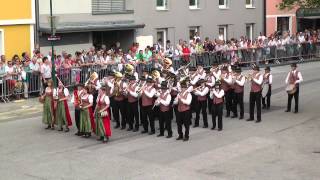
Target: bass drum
{"type": "Point", "coordinates": [291, 89]}
{"type": "Point", "coordinates": [265, 90]}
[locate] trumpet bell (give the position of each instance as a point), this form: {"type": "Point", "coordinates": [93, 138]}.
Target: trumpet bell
{"type": "Point", "coordinates": [94, 76]}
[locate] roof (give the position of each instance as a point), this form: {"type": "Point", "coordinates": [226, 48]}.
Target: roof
{"type": "Point", "coordinates": [68, 27]}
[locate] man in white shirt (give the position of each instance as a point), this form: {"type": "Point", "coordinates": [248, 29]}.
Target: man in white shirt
{"type": "Point", "coordinates": [294, 78]}
{"type": "Point", "coordinates": [201, 95]}
{"type": "Point", "coordinates": [183, 100]}
{"type": "Point", "coordinates": [255, 94]}
{"type": "Point", "coordinates": [132, 106]}
{"type": "Point", "coordinates": [267, 80]}
{"type": "Point", "coordinates": [239, 81]}
{"type": "Point", "coordinates": [45, 71]}
{"type": "Point", "coordinates": [147, 94]}
{"type": "Point", "coordinates": [217, 95]}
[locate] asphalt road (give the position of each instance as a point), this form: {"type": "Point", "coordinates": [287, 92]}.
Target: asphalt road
{"type": "Point", "coordinates": [282, 146]}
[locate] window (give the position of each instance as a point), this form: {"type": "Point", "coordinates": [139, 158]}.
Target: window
{"type": "Point", "coordinates": [194, 32]}
{"type": "Point", "coordinates": [194, 4]}
{"type": "Point", "coordinates": [162, 4]}
{"type": "Point", "coordinates": [1, 42]}
{"type": "Point", "coordinates": [249, 4]}
{"type": "Point", "coordinates": [223, 4]}
{"type": "Point", "coordinates": [223, 30]}
{"type": "Point", "coordinates": [162, 37]}
{"type": "Point", "coordinates": [107, 6]}
{"type": "Point", "coordinates": [249, 31]}
{"type": "Point", "coordinates": [283, 24]}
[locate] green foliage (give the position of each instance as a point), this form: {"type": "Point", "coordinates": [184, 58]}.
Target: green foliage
{"type": "Point", "coordinates": [289, 4]}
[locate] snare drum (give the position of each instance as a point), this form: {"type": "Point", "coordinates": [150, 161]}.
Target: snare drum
{"type": "Point", "coordinates": [291, 89]}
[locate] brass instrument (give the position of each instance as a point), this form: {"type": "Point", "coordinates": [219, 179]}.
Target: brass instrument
{"type": "Point", "coordinates": [155, 74]}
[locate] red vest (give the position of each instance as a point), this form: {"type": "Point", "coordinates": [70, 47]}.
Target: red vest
{"type": "Point", "coordinates": [164, 108]}
{"type": "Point", "coordinates": [202, 98]}
{"type": "Point", "coordinates": [217, 100]}
{"type": "Point", "coordinates": [237, 87]}
{"type": "Point", "coordinates": [254, 86]}
{"type": "Point", "coordinates": [146, 101]}
{"type": "Point", "coordinates": [224, 85]}
{"type": "Point", "coordinates": [293, 77]}
{"type": "Point", "coordinates": [101, 103]}
{"type": "Point", "coordinates": [183, 107]}
{"type": "Point", "coordinates": [132, 99]}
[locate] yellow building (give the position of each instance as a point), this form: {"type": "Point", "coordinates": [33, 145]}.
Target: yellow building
{"type": "Point", "coordinates": [17, 20]}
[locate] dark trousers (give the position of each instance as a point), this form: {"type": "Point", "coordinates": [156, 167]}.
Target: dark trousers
{"type": "Point", "coordinates": [209, 104]}
{"type": "Point", "coordinates": [133, 115]}
{"type": "Point", "coordinates": [202, 106]}
{"type": "Point", "coordinates": [120, 106]}
{"type": "Point", "coordinates": [147, 118]}
{"type": "Point", "coordinates": [184, 118]}
{"type": "Point", "coordinates": [95, 96]}
{"type": "Point", "coordinates": [266, 101]}
{"type": "Point", "coordinates": [296, 100]}
{"type": "Point", "coordinates": [238, 100]}
{"type": "Point", "coordinates": [228, 100]}
{"type": "Point", "coordinates": [255, 100]}
{"type": "Point", "coordinates": [111, 108]}
{"type": "Point", "coordinates": [77, 117]}
{"type": "Point", "coordinates": [217, 112]}
{"type": "Point", "coordinates": [165, 122]}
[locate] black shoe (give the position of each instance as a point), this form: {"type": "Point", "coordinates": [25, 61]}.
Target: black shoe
{"type": "Point", "coordinates": [186, 139]}
{"type": "Point", "coordinates": [195, 126]}
{"type": "Point", "coordinates": [67, 130]}
{"type": "Point", "coordinates": [48, 127]}
{"type": "Point", "coordinates": [287, 110]}
{"type": "Point", "coordinates": [264, 107]}
{"type": "Point", "coordinates": [136, 130]}
{"type": "Point", "coordinates": [160, 135]}
{"type": "Point", "coordinates": [249, 119]}
{"type": "Point", "coordinates": [123, 127]}
{"type": "Point", "coordinates": [152, 133]}
{"type": "Point", "coordinates": [179, 138]}
{"type": "Point", "coordinates": [143, 132]}
{"type": "Point", "coordinates": [228, 115]}
{"type": "Point", "coordinates": [89, 135]}
{"type": "Point", "coordinates": [129, 129]}
{"type": "Point", "coordinates": [213, 128]}
{"type": "Point", "coordinates": [234, 116]}
{"type": "Point", "coordinates": [77, 133]}
{"type": "Point", "coordinates": [117, 126]}
{"type": "Point", "coordinates": [169, 136]}
{"type": "Point", "coordinates": [205, 126]}
{"type": "Point", "coordinates": [240, 118]}
{"type": "Point", "coordinates": [105, 140]}
{"type": "Point", "coordinates": [295, 112]}
{"type": "Point", "coordinates": [52, 127]}
{"type": "Point", "coordinates": [257, 121]}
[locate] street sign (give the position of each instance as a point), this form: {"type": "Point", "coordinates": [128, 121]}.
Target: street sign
{"type": "Point", "coordinates": [54, 38]}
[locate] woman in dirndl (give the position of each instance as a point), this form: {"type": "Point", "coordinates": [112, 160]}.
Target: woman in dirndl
{"type": "Point", "coordinates": [48, 108]}
{"type": "Point", "coordinates": [63, 117]}
{"type": "Point", "coordinates": [102, 116]}
{"type": "Point", "coordinates": [86, 114]}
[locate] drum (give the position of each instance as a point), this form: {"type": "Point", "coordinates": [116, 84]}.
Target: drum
{"type": "Point", "coordinates": [265, 90]}
{"type": "Point", "coordinates": [291, 89]}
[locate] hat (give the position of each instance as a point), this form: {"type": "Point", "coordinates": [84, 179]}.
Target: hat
{"type": "Point", "coordinates": [267, 68]}
{"type": "Point", "coordinates": [142, 78]}
{"type": "Point", "coordinates": [149, 79]}
{"type": "Point", "coordinates": [131, 78]}
{"type": "Point", "coordinates": [214, 64]}
{"type": "Point", "coordinates": [294, 65]}
{"type": "Point", "coordinates": [103, 88]}
{"type": "Point", "coordinates": [167, 61]}
{"type": "Point", "coordinates": [110, 73]}
{"type": "Point", "coordinates": [192, 69]}
{"type": "Point", "coordinates": [129, 67]}
{"type": "Point", "coordinates": [145, 70]}
{"type": "Point", "coordinates": [183, 84]}
{"type": "Point", "coordinates": [207, 69]}
{"type": "Point", "coordinates": [256, 68]}
{"type": "Point", "coordinates": [164, 85]}
{"type": "Point", "coordinates": [237, 69]}
{"type": "Point", "coordinates": [225, 68]}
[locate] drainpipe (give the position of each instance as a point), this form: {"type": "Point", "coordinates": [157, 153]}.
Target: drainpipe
{"type": "Point", "coordinates": [265, 17]}
{"type": "Point", "coordinates": [37, 26]}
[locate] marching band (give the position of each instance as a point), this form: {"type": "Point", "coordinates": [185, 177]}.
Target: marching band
{"type": "Point", "coordinates": [163, 94]}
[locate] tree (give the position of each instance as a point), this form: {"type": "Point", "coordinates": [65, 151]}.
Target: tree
{"type": "Point", "coordinates": [289, 4]}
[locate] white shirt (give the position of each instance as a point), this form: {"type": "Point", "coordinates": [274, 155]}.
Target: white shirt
{"type": "Point", "coordinates": [65, 92]}
{"type": "Point", "coordinates": [134, 92]}
{"type": "Point", "coordinates": [259, 80]}
{"type": "Point", "coordinates": [218, 94]}
{"type": "Point", "coordinates": [270, 79]}
{"type": "Point", "coordinates": [202, 93]}
{"type": "Point", "coordinates": [166, 102]}
{"type": "Point", "coordinates": [228, 80]}
{"type": "Point", "coordinates": [188, 100]}
{"type": "Point", "coordinates": [90, 97]}
{"type": "Point", "coordinates": [241, 82]}
{"type": "Point", "coordinates": [151, 93]}
{"type": "Point", "coordinates": [299, 76]}
{"type": "Point", "coordinates": [104, 99]}
{"type": "Point", "coordinates": [213, 81]}
{"type": "Point", "coordinates": [34, 67]}
{"type": "Point", "coordinates": [46, 71]}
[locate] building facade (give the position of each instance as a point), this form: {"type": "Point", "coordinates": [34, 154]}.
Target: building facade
{"type": "Point", "coordinates": [84, 23]}
{"type": "Point", "coordinates": [17, 20]}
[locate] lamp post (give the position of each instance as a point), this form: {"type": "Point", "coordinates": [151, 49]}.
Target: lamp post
{"type": "Point", "coordinates": [53, 71]}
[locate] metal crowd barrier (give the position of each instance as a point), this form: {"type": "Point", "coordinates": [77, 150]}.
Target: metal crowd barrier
{"type": "Point", "coordinates": [33, 84]}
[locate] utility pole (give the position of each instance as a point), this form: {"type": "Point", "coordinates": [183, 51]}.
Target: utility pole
{"type": "Point", "coordinates": [53, 75]}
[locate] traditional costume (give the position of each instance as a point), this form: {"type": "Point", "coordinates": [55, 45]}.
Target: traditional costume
{"type": "Point", "coordinates": [86, 114]}
{"type": "Point", "coordinates": [102, 116]}
{"type": "Point", "coordinates": [63, 117]}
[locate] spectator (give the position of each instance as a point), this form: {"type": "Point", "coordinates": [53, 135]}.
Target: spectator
{"type": "Point", "coordinates": [46, 72]}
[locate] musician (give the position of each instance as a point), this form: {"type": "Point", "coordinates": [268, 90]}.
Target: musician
{"type": "Point", "coordinates": [183, 100]}
{"type": "Point", "coordinates": [255, 94]}
{"type": "Point", "coordinates": [226, 81]}
{"type": "Point", "coordinates": [63, 117]}
{"type": "Point", "coordinates": [217, 95]}
{"type": "Point", "coordinates": [109, 81]}
{"type": "Point", "coordinates": [132, 108]}
{"type": "Point", "coordinates": [86, 113]}
{"type": "Point", "coordinates": [238, 92]}
{"type": "Point", "coordinates": [267, 81]}
{"type": "Point", "coordinates": [211, 79]}
{"type": "Point", "coordinates": [201, 93]}
{"type": "Point", "coordinates": [167, 66]}
{"type": "Point", "coordinates": [147, 94]}
{"type": "Point", "coordinates": [130, 71]}
{"type": "Point", "coordinates": [76, 102]}
{"type": "Point", "coordinates": [216, 71]}
{"type": "Point", "coordinates": [294, 78]}
{"type": "Point", "coordinates": [94, 86]}
{"type": "Point", "coordinates": [102, 116]}
{"type": "Point", "coordinates": [48, 108]}
{"type": "Point", "coordinates": [119, 100]}
{"type": "Point", "coordinates": [163, 101]}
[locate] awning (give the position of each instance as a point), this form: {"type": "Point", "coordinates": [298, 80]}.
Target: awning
{"type": "Point", "coordinates": [67, 27]}
{"type": "Point", "coordinates": [305, 13]}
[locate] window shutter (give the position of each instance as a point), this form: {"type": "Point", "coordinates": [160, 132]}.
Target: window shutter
{"type": "Point", "coordinates": [107, 6]}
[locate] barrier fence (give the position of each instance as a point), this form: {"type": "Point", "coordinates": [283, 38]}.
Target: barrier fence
{"type": "Point", "coordinates": [32, 84]}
